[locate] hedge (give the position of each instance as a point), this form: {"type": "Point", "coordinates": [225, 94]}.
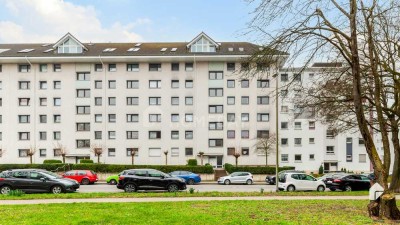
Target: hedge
{"type": "Point", "coordinates": [52, 161]}
{"type": "Point", "coordinates": [192, 162]}
{"type": "Point", "coordinates": [106, 168]}
{"type": "Point", "coordinates": [255, 169]}
{"type": "Point", "coordinates": [86, 161]}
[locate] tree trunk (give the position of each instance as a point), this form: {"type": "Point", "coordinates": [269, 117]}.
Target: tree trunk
{"type": "Point", "coordinates": [98, 158]}
{"type": "Point", "coordinates": [395, 183]}
{"type": "Point", "coordinates": [236, 161]}
{"type": "Point", "coordinates": [388, 207]}
{"type": "Point", "coordinates": [266, 159]}
{"type": "Point", "coordinates": [166, 160]}
{"type": "Point", "coordinates": [30, 158]}
{"type": "Point", "coordinates": [133, 159]}
{"type": "Point", "coordinates": [63, 157]}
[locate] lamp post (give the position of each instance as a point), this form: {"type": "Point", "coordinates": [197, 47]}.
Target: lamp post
{"type": "Point", "coordinates": [277, 131]}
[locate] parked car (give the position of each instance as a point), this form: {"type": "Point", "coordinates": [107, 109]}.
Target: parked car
{"type": "Point", "coordinates": [271, 179]}
{"type": "Point", "coordinates": [330, 176]}
{"type": "Point", "coordinates": [113, 179]}
{"type": "Point", "coordinates": [149, 179]}
{"type": "Point", "coordinates": [84, 177]}
{"type": "Point", "coordinates": [292, 181]}
{"type": "Point", "coordinates": [237, 178]}
{"type": "Point", "coordinates": [349, 182]}
{"type": "Point", "coordinates": [190, 178]}
{"type": "Point", "coordinates": [35, 181]}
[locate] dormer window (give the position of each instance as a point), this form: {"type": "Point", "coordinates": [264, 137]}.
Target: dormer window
{"type": "Point", "coordinates": [70, 46]}
{"type": "Point", "coordinates": [202, 43]}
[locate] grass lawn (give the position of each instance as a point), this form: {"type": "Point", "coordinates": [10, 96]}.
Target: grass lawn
{"type": "Point", "coordinates": [207, 212]}
{"type": "Point", "coordinates": [179, 194]}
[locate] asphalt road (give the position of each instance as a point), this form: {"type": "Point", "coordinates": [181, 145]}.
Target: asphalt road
{"type": "Point", "coordinates": [199, 187]}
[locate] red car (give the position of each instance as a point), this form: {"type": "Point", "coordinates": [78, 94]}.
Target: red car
{"type": "Point", "coordinates": [84, 177]}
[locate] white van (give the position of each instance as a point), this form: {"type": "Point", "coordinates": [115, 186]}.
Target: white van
{"type": "Point", "coordinates": [293, 181]}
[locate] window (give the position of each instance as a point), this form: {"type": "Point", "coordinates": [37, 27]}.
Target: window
{"type": "Point", "coordinates": [25, 68]}
{"type": "Point", "coordinates": [155, 118]}
{"type": "Point", "coordinates": [215, 125]}
{"type": "Point", "coordinates": [83, 93]}
{"type": "Point", "coordinates": [244, 83]}
{"type": "Point", "coordinates": [42, 85]}
{"type": "Point", "coordinates": [154, 134]}
{"type": "Point", "coordinates": [83, 110]}
{"type": "Point", "coordinates": [111, 152]}
{"type": "Point", "coordinates": [24, 101]}
{"type": "Point", "coordinates": [83, 76]}
{"type": "Point", "coordinates": [24, 118]}
{"type": "Point", "coordinates": [132, 100]}
{"type": "Point", "coordinates": [57, 67]}
{"type": "Point", "coordinates": [56, 135]}
{"type": "Point", "coordinates": [245, 134]}
{"type": "Point", "coordinates": [23, 136]}
{"type": "Point", "coordinates": [188, 117]}
{"type": "Point", "coordinates": [311, 125]}
{"type": "Point", "coordinates": [154, 100]}
{"type": "Point", "coordinates": [216, 75]}
{"type": "Point", "coordinates": [262, 133]}
{"type": "Point", "coordinates": [57, 118]}
{"type": "Point", "coordinates": [24, 85]}
{"type": "Point", "coordinates": [43, 118]}
{"type": "Point", "coordinates": [284, 109]}
{"type": "Point", "coordinates": [215, 109]}
{"type": "Point", "coordinates": [284, 158]}
{"type": "Point", "coordinates": [297, 77]}
{"type": "Point", "coordinates": [112, 84]}
{"type": "Point", "coordinates": [174, 134]}
{"type": "Point", "coordinates": [129, 151]}
{"type": "Point", "coordinates": [132, 135]}
{"type": "Point", "coordinates": [188, 151]}
{"type": "Point", "coordinates": [154, 66]}
{"type": "Point", "coordinates": [174, 117]}
{"type": "Point", "coordinates": [230, 100]}
{"type": "Point", "coordinates": [98, 67]}
{"type": "Point", "coordinates": [297, 158]}
{"type": "Point", "coordinates": [188, 83]}
{"type": "Point", "coordinates": [132, 67]}
{"type": "Point", "coordinates": [174, 152]}
{"type": "Point", "coordinates": [297, 141]}
{"type": "Point", "coordinates": [112, 101]}
{"type": "Point", "coordinates": [311, 140]}
{"type": "Point", "coordinates": [284, 77]}
{"type": "Point", "coordinates": [174, 66]}
{"type": "Point", "coordinates": [297, 125]}
{"type": "Point", "coordinates": [188, 134]}
{"type": "Point", "coordinates": [245, 151]}
{"type": "Point", "coordinates": [215, 142]}
{"type": "Point", "coordinates": [98, 101]}
{"type": "Point", "coordinates": [174, 100]}
{"type": "Point", "coordinates": [43, 68]}
{"type": "Point", "coordinates": [111, 135]}
{"type": "Point", "coordinates": [284, 141]}
{"type": "Point", "coordinates": [215, 92]}
{"type": "Point", "coordinates": [361, 141]}
{"type": "Point", "coordinates": [362, 158]}
{"type": "Point", "coordinates": [312, 157]}
{"type": "Point", "coordinates": [112, 67]}
{"type": "Point", "coordinates": [98, 118]}
{"type": "Point", "coordinates": [82, 126]}
{"type": "Point", "coordinates": [244, 66]}
{"type": "Point", "coordinates": [230, 83]}
{"type": "Point", "coordinates": [98, 84]}
{"type": "Point", "coordinates": [230, 66]}
{"type": "Point", "coordinates": [230, 117]}
{"type": "Point", "coordinates": [330, 150]}
{"type": "Point", "coordinates": [262, 117]}
{"type": "Point", "coordinates": [82, 143]}
{"type": "Point", "coordinates": [245, 100]}
{"type": "Point", "coordinates": [57, 84]}
{"type": "Point", "coordinates": [154, 83]}
{"type": "Point", "coordinates": [262, 100]}
{"type": "Point", "coordinates": [112, 118]}
{"type": "Point", "coordinates": [132, 118]}
{"type": "Point", "coordinates": [284, 125]}
{"type": "Point", "coordinates": [132, 84]}
{"type": "Point", "coordinates": [231, 151]}
{"type": "Point", "coordinates": [284, 93]}
{"type": "Point", "coordinates": [330, 134]}
{"type": "Point", "coordinates": [42, 152]}
{"type": "Point", "coordinates": [230, 134]}
{"type": "Point", "coordinates": [245, 117]}
{"type": "Point", "coordinates": [262, 83]}
{"type": "Point", "coordinates": [97, 135]}
{"type": "Point", "coordinates": [42, 135]}
{"type": "Point", "coordinates": [174, 83]}
{"type": "Point", "coordinates": [188, 100]}
{"type": "Point", "coordinates": [57, 101]}
{"type": "Point", "coordinates": [188, 66]}
{"type": "Point", "coordinates": [23, 152]}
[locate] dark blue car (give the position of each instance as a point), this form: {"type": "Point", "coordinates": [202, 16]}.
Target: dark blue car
{"type": "Point", "coordinates": [190, 178]}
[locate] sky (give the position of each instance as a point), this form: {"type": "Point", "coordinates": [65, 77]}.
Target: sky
{"type": "Point", "coordinates": [46, 21]}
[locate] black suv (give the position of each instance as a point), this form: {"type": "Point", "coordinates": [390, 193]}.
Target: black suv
{"type": "Point", "coordinates": [34, 181]}
{"type": "Point", "coordinates": [149, 179]}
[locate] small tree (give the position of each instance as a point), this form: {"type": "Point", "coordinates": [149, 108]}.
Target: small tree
{"type": "Point", "coordinates": [201, 154]}
{"type": "Point", "coordinates": [61, 150]}
{"type": "Point", "coordinates": [265, 145]}
{"type": "Point", "coordinates": [166, 157]}
{"type": "Point", "coordinates": [31, 152]}
{"type": "Point", "coordinates": [134, 152]}
{"type": "Point", "coordinates": [321, 169]}
{"type": "Point", "coordinates": [97, 149]}
{"type": "Point", "coordinates": [236, 155]}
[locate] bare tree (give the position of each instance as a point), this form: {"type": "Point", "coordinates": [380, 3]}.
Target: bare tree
{"type": "Point", "coordinates": [166, 157]}
{"type": "Point", "coordinates": [266, 145]}
{"type": "Point", "coordinates": [61, 150]}
{"type": "Point", "coordinates": [134, 152]}
{"type": "Point", "coordinates": [236, 155]}
{"type": "Point", "coordinates": [97, 150]}
{"type": "Point", "coordinates": [201, 154]}
{"type": "Point", "coordinates": [362, 35]}
{"type": "Point", "coordinates": [31, 152]}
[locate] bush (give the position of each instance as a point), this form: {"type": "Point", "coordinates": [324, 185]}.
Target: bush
{"type": "Point", "coordinates": [86, 161]}
{"type": "Point", "coordinates": [192, 162]}
{"type": "Point", "coordinates": [47, 161]}
{"type": "Point", "coordinates": [255, 169]}
{"type": "Point", "coordinates": [321, 170]}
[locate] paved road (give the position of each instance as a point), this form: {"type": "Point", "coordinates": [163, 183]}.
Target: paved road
{"type": "Point", "coordinates": [199, 187]}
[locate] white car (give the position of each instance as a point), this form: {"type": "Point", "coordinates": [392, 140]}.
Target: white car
{"type": "Point", "coordinates": [300, 182]}
{"type": "Point", "coordinates": [237, 178]}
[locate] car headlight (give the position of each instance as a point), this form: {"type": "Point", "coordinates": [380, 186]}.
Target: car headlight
{"type": "Point", "coordinates": [183, 180]}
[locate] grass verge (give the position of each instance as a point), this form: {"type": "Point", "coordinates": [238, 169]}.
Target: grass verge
{"type": "Point", "coordinates": [206, 212]}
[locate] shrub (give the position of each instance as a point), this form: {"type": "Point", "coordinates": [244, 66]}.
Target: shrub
{"type": "Point", "coordinates": [191, 190]}
{"type": "Point", "coordinates": [16, 192]}
{"type": "Point", "coordinates": [47, 161]}
{"type": "Point", "coordinates": [255, 169]}
{"type": "Point", "coordinates": [321, 169]}
{"type": "Point", "coordinates": [192, 162]}
{"type": "Point", "coordinates": [86, 161]}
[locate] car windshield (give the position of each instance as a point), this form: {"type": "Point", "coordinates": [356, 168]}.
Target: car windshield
{"type": "Point", "coordinates": [52, 175]}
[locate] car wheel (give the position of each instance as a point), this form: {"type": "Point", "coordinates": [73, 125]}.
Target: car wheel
{"type": "Point", "coordinates": [5, 190]}
{"type": "Point", "coordinates": [85, 181]}
{"type": "Point", "coordinates": [190, 181]}
{"type": "Point", "coordinates": [227, 182]}
{"type": "Point", "coordinates": [347, 188]}
{"type": "Point", "coordinates": [332, 189]}
{"type": "Point", "coordinates": [291, 188]}
{"type": "Point", "coordinates": [249, 182]}
{"type": "Point", "coordinates": [130, 188]}
{"type": "Point", "coordinates": [172, 188]}
{"type": "Point", "coordinates": [113, 182]}
{"type": "Point", "coordinates": [321, 188]}
{"type": "Point", "coordinates": [57, 189]}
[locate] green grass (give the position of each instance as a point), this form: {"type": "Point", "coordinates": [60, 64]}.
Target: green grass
{"type": "Point", "coordinates": [178, 194]}
{"type": "Point", "coordinates": [204, 212]}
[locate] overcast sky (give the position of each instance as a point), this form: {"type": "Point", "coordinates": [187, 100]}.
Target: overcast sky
{"type": "Point", "coordinates": [122, 20]}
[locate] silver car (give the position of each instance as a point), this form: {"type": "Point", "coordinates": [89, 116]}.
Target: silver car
{"type": "Point", "coordinates": [237, 178]}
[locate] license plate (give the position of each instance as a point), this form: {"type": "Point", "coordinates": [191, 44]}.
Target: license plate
{"type": "Point", "coordinates": [329, 182]}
